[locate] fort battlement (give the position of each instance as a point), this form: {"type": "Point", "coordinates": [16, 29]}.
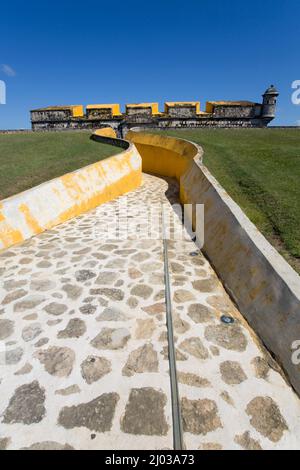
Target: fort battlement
{"type": "Point", "coordinates": [176, 114]}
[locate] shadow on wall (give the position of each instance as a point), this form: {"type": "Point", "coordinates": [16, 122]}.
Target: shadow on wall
{"type": "Point", "coordinates": [263, 285]}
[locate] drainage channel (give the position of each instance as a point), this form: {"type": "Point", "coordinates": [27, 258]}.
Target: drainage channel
{"type": "Point", "coordinates": [176, 411]}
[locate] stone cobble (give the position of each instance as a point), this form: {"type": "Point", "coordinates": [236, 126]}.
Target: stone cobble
{"type": "Point", "coordinates": [84, 353]}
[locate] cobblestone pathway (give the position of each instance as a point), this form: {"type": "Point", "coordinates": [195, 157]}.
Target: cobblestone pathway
{"type": "Point", "coordinates": [84, 356]}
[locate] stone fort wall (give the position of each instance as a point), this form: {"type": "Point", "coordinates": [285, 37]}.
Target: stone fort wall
{"type": "Point", "coordinates": [175, 115]}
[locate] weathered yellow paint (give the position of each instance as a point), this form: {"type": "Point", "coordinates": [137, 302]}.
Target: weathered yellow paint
{"type": "Point", "coordinates": [77, 111]}
{"type": "Point", "coordinates": [8, 235]}
{"type": "Point", "coordinates": [153, 106]}
{"type": "Point", "coordinates": [179, 104]}
{"type": "Point", "coordinates": [2, 218]}
{"type": "Point", "coordinates": [209, 107]}
{"type": "Point", "coordinates": [115, 108]}
{"type": "Point", "coordinates": [60, 199]}
{"type": "Point", "coordinates": [30, 220]}
{"type": "Point", "coordinates": [106, 132]}
{"type": "Point", "coordinates": [132, 181]}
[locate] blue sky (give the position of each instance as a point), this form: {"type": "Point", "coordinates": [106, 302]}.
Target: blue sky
{"type": "Point", "coordinates": [72, 52]}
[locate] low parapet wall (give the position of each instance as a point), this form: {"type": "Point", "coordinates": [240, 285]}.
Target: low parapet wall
{"type": "Point", "coordinates": [163, 155]}
{"type": "Point", "coordinates": [264, 286]}
{"type": "Point", "coordinates": [105, 132]}
{"type": "Point", "coordinates": [55, 201]}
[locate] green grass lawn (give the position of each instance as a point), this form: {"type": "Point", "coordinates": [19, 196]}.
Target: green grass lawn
{"type": "Point", "coordinates": [260, 169]}
{"type": "Point", "coordinates": [30, 159]}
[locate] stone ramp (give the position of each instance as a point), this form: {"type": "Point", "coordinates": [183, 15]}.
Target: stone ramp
{"type": "Point", "coordinates": [85, 362]}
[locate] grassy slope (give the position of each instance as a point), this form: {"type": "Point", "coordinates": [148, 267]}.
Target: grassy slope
{"type": "Point", "coordinates": [29, 159]}
{"type": "Point", "coordinates": [260, 169]}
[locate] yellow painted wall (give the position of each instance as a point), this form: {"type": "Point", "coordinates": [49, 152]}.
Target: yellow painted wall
{"type": "Point", "coordinates": [77, 111]}
{"type": "Point", "coordinates": [106, 132]}
{"type": "Point", "coordinates": [153, 106]}
{"type": "Point", "coordinates": [163, 155]}
{"type": "Point", "coordinates": [115, 108]}
{"type": "Point", "coordinates": [56, 201]}
{"type": "Point", "coordinates": [209, 107]}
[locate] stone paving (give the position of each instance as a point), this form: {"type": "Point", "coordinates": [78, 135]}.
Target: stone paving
{"type": "Point", "coordinates": [84, 354]}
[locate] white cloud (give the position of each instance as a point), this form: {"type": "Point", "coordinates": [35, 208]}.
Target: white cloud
{"type": "Point", "coordinates": [298, 123]}
{"type": "Point", "coordinates": [8, 70]}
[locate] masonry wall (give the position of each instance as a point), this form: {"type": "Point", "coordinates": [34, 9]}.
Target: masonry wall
{"type": "Point", "coordinates": [139, 112]}
{"type": "Point", "coordinates": [193, 123]}
{"type": "Point", "coordinates": [48, 116]}
{"type": "Point", "coordinates": [99, 113]}
{"type": "Point", "coordinates": [182, 111]}
{"type": "Point", "coordinates": [75, 124]}
{"type": "Point", "coordinates": [236, 112]}
{"type": "Point", "coordinates": [208, 122]}
{"type": "Point", "coordinates": [178, 117]}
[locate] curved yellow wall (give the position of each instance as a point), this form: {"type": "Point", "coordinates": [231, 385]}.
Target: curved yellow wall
{"type": "Point", "coordinates": [163, 155]}
{"type": "Point", "coordinates": [54, 202]}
